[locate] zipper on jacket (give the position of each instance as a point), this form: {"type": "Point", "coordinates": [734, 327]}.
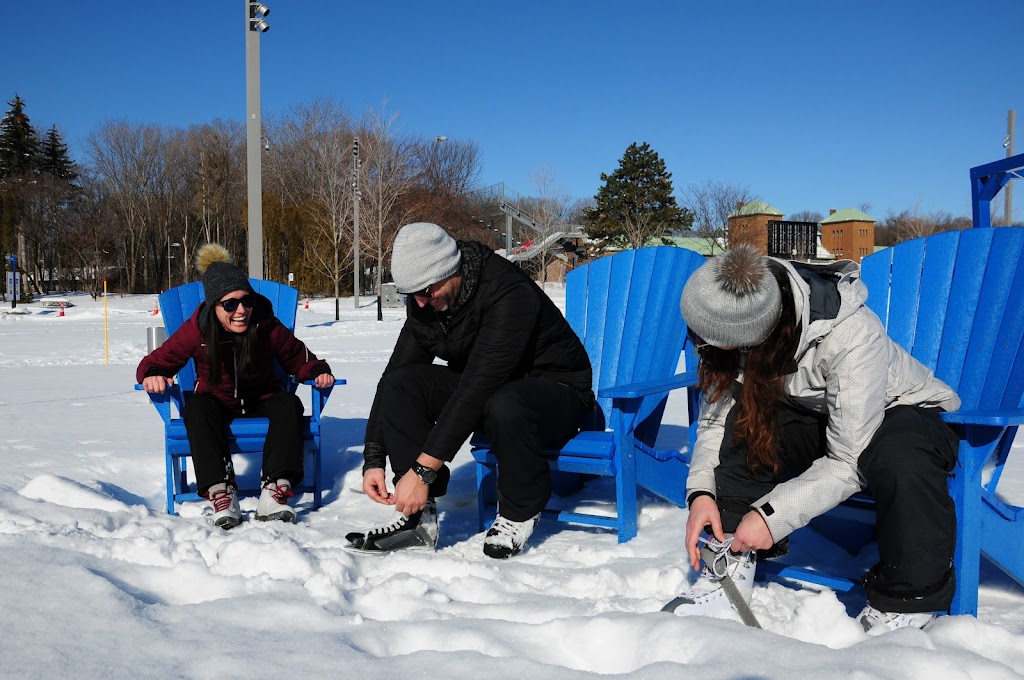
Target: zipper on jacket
{"type": "Point", "coordinates": [234, 361]}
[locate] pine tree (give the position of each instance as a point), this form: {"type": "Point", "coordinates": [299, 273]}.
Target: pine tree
{"type": "Point", "coordinates": [19, 142]}
{"type": "Point", "coordinates": [635, 203]}
{"type": "Point", "coordinates": [54, 159]}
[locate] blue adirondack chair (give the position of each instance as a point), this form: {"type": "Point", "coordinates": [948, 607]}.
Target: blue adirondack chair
{"type": "Point", "coordinates": [625, 309]}
{"type": "Point", "coordinates": [246, 435]}
{"type": "Point", "coordinates": [954, 301]}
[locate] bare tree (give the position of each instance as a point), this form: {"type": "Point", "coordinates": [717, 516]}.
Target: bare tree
{"type": "Point", "coordinates": [386, 178]}
{"type": "Point", "coordinates": [127, 158]}
{"type": "Point", "coordinates": [313, 166]}
{"type": "Point", "coordinates": [549, 208]}
{"type": "Point", "coordinates": [711, 202]}
{"type": "Point", "coordinates": [806, 216]}
{"type": "Point", "coordinates": [216, 188]}
{"type": "Point", "coordinates": [910, 224]}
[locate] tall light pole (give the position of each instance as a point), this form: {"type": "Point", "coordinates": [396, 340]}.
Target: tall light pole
{"type": "Point", "coordinates": [169, 258]}
{"type": "Point", "coordinates": [355, 221]}
{"type": "Point", "coordinates": [255, 23]}
{"type": "Point", "coordinates": [1008, 189]}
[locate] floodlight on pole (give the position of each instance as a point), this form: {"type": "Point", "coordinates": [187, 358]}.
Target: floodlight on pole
{"type": "Point", "coordinates": [169, 258]}
{"type": "Point", "coordinates": [255, 24]}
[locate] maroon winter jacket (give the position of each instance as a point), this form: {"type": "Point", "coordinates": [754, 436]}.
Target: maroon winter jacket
{"type": "Point", "coordinates": [274, 340]}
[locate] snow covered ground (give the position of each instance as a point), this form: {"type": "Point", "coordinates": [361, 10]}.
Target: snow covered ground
{"type": "Point", "coordinates": [98, 582]}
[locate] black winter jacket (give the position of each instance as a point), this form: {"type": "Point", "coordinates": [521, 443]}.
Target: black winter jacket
{"type": "Point", "coordinates": [503, 327]}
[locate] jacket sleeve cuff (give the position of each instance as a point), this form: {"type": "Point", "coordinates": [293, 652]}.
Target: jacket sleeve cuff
{"type": "Point", "coordinates": [156, 370]}
{"type": "Point", "coordinates": [374, 457]}
{"type": "Point", "coordinates": [776, 523]}
{"type": "Point", "coordinates": [318, 369]}
{"type": "Point", "coordinates": [694, 495]}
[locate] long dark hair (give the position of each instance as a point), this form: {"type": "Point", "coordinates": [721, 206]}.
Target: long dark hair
{"type": "Point", "coordinates": [245, 347]}
{"type": "Point", "coordinates": [763, 379]}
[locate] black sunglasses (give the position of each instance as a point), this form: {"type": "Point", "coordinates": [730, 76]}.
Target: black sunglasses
{"type": "Point", "coordinates": [425, 293]}
{"type": "Point", "coordinates": [698, 342]}
{"type": "Point", "coordinates": [231, 304]}
{"type": "Point", "coordinates": [701, 346]}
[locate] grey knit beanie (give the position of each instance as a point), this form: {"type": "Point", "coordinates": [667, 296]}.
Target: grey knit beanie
{"type": "Point", "coordinates": [423, 254]}
{"type": "Point", "coordinates": [220, 277]}
{"type": "Point", "coordinates": [732, 300]}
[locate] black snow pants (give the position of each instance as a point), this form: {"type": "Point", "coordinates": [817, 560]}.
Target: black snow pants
{"type": "Point", "coordinates": [206, 422]}
{"type": "Point", "coordinates": [520, 420]}
{"type": "Point", "coordinates": [905, 467]}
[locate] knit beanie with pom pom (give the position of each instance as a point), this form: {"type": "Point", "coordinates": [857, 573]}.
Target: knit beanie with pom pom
{"type": "Point", "coordinates": [220, 277]}
{"type": "Point", "coordinates": [732, 300]}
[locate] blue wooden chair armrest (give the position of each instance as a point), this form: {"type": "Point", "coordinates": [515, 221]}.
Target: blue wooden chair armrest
{"type": "Point", "coordinates": [644, 389]}
{"type": "Point", "coordinates": [162, 402]}
{"type": "Point", "coordinates": [997, 418]}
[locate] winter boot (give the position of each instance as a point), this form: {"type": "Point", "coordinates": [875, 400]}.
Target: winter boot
{"type": "Point", "coordinates": [876, 622]}
{"type": "Point", "coordinates": [506, 538]}
{"type": "Point", "coordinates": [273, 503]}
{"type": "Point", "coordinates": [418, 530]}
{"type": "Point", "coordinates": [226, 513]}
{"type": "Point", "coordinates": [709, 596]}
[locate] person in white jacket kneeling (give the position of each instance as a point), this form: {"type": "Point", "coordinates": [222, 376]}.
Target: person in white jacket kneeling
{"type": "Point", "coordinates": [806, 400]}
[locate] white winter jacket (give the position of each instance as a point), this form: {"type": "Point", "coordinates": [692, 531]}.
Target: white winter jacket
{"type": "Point", "coordinates": [848, 368]}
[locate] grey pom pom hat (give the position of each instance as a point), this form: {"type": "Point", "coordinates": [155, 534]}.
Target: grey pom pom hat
{"type": "Point", "coordinates": [732, 300]}
{"type": "Point", "coordinates": [423, 254]}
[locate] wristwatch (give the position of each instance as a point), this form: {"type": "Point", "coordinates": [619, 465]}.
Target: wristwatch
{"type": "Point", "coordinates": [426, 475]}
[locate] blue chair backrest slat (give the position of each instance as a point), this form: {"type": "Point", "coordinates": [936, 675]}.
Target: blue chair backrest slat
{"type": "Point", "coordinates": [968, 323]}
{"type": "Point", "coordinates": [176, 306]}
{"type": "Point", "coordinates": [937, 281]}
{"type": "Point", "coordinates": [285, 299]}
{"type": "Point", "coordinates": [997, 327]}
{"type": "Point", "coordinates": [961, 315]}
{"type": "Point", "coordinates": [875, 272]}
{"type": "Point", "coordinates": [906, 288]}
{"type": "Point", "coordinates": [625, 308]}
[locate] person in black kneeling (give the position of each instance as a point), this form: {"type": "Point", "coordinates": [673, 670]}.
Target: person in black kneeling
{"type": "Point", "coordinates": [515, 371]}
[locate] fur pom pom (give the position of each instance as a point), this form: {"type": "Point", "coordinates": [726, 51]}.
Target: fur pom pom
{"type": "Point", "coordinates": [743, 270]}
{"type": "Point", "coordinates": [210, 253]}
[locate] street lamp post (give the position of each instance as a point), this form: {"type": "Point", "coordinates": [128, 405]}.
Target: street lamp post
{"type": "Point", "coordinates": [169, 258]}
{"type": "Point", "coordinates": [255, 23]}
{"type": "Point", "coordinates": [355, 220]}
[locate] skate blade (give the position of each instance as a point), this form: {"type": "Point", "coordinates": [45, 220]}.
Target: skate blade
{"type": "Point", "coordinates": [356, 539]}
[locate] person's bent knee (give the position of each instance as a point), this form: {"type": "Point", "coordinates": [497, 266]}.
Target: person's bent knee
{"type": "Point", "coordinates": [200, 405]}
{"type": "Point", "coordinates": [504, 407]}
{"type": "Point", "coordinates": [286, 403]}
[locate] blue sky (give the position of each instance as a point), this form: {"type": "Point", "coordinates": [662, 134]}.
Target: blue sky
{"type": "Point", "coordinates": [812, 105]}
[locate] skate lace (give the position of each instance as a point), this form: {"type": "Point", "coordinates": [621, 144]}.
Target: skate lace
{"type": "Point", "coordinates": [281, 493]}
{"type": "Point", "coordinates": [720, 564]}
{"type": "Point", "coordinates": [397, 525]}
{"type": "Point", "coordinates": [221, 500]}
{"type": "Point", "coordinates": [505, 527]}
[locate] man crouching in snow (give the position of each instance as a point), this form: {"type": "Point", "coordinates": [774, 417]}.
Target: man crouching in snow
{"type": "Point", "coordinates": [515, 371]}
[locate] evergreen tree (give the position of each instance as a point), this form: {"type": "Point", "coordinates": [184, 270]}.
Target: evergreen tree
{"type": "Point", "coordinates": [19, 143]}
{"type": "Point", "coordinates": [54, 159]}
{"type": "Point", "coordinates": [635, 204]}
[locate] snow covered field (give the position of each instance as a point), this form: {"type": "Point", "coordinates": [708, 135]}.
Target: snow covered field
{"type": "Point", "coordinates": [98, 582]}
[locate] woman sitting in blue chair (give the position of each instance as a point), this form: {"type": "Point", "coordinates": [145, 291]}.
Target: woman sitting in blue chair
{"type": "Point", "coordinates": [234, 337]}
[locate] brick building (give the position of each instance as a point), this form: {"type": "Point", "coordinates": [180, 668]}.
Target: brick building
{"type": "Point", "coordinates": [848, 234]}
{"type": "Point", "coordinates": [749, 224]}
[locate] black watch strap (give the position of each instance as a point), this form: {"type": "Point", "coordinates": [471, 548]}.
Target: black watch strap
{"type": "Point", "coordinates": [426, 475]}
